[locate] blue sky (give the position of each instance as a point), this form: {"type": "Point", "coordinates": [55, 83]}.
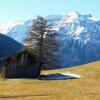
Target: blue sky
{"type": "Point", "coordinates": [28, 9]}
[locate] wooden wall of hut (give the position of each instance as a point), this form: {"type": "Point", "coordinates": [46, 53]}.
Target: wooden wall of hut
{"type": "Point", "coordinates": [23, 65]}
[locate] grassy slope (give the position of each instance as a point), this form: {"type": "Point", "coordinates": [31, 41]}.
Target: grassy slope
{"type": "Point", "coordinates": [85, 88]}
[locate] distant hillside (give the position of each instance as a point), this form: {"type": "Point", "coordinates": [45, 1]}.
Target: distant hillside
{"type": "Point", "coordinates": [8, 46]}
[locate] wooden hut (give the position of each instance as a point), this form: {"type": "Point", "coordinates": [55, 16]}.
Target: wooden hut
{"type": "Point", "coordinates": [16, 61]}
{"type": "Point", "coordinates": [21, 65]}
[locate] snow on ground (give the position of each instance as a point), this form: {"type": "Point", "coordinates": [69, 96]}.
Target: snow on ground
{"type": "Point", "coordinates": [72, 75]}
{"type": "Point", "coordinates": [59, 76]}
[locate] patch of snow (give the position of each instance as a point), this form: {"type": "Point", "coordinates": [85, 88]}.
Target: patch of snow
{"type": "Point", "coordinates": [59, 76]}
{"type": "Point", "coordinates": [69, 18]}
{"type": "Point", "coordinates": [7, 26]}
{"type": "Point", "coordinates": [87, 40]}
{"type": "Point", "coordinates": [93, 18]}
{"type": "Point", "coordinates": [72, 75]}
{"type": "Point", "coordinates": [18, 30]}
{"type": "Point", "coordinates": [79, 30]}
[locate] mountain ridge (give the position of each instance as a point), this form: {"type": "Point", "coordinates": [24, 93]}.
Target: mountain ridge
{"type": "Point", "coordinates": [78, 35]}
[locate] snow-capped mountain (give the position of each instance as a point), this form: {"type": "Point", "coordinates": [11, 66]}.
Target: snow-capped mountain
{"type": "Point", "coordinates": [78, 35]}
{"type": "Point", "coordinates": [18, 30]}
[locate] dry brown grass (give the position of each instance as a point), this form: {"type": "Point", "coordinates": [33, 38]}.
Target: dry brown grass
{"type": "Point", "coordinates": [85, 88]}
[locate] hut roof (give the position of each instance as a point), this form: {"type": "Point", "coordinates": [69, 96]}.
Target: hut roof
{"type": "Point", "coordinates": [24, 50]}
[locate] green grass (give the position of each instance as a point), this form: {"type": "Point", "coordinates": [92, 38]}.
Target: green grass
{"type": "Point", "coordinates": [85, 88]}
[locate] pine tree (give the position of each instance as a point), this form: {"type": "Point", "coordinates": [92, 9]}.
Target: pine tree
{"type": "Point", "coordinates": [43, 41]}
{"type": "Point", "coordinates": [50, 50]}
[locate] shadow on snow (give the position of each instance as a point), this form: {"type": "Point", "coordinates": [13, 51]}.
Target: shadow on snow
{"type": "Point", "coordinates": [59, 76]}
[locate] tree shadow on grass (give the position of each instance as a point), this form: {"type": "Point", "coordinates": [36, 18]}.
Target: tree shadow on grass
{"type": "Point", "coordinates": [58, 76]}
